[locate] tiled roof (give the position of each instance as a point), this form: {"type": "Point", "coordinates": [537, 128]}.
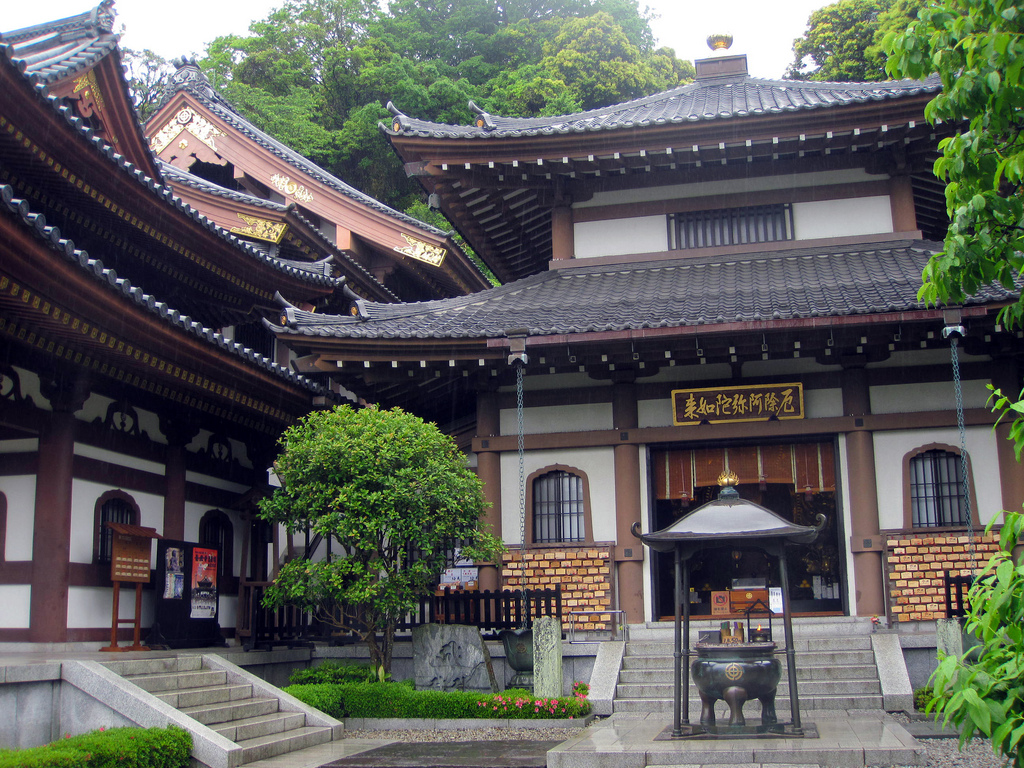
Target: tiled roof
{"type": "Point", "coordinates": [21, 212]}
{"type": "Point", "coordinates": [781, 285]}
{"type": "Point", "coordinates": [56, 49]}
{"type": "Point", "coordinates": [702, 100]}
{"type": "Point", "coordinates": [321, 267]}
{"type": "Point", "coordinates": [163, 191]}
{"type": "Point", "coordinates": [191, 79]}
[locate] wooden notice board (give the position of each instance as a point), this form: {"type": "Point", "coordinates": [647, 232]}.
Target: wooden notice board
{"type": "Point", "coordinates": [129, 552]}
{"type": "Point", "coordinates": [129, 561]}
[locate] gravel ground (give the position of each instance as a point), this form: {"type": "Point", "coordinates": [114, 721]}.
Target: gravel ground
{"type": "Point", "coordinates": [943, 753]}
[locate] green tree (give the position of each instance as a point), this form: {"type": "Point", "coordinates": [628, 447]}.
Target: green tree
{"type": "Point", "coordinates": [147, 74]}
{"type": "Point", "coordinates": [843, 40]}
{"type": "Point", "coordinates": [977, 49]}
{"type": "Point", "coordinates": [396, 494]}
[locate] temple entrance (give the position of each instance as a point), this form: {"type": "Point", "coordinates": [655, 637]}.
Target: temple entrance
{"type": "Point", "coordinates": [793, 480]}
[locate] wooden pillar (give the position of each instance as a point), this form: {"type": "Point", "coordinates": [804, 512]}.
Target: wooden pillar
{"type": "Point", "coordinates": [901, 202]}
{"type": "Point", "coordinates": [628, 549]}
{"type": "Point", "coordinates": [51, 538]}
{"type": "Point", "coordinates": [489, 471]}
{"type": "Point", "coordinates": [179, 433]}
{"type": "Point", "coordinates": [562, 237]}
{"type": "Point", "coordinates": [865, 539]}
{"type": "Point", "coordinates": [1006, 377]}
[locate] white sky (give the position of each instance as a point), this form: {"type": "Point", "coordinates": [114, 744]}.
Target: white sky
{"type": "Point", "coordinates": [763, 30]}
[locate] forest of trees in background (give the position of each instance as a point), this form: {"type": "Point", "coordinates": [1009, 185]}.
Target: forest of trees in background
{"type": "Point", "coordinates": [317, 74]}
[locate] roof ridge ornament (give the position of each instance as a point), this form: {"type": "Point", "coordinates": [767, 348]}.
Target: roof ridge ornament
{"type": "Point", "coordinates": [483, 119]}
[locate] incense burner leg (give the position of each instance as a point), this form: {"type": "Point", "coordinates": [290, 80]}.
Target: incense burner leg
{"type": "Point", "coordinates": [735, 696]}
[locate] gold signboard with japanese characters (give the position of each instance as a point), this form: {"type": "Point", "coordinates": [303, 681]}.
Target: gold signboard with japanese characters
{"type": "Point", "coordinates": [130, 549]}
{"type": "Point", "coordinates": [755, 402]}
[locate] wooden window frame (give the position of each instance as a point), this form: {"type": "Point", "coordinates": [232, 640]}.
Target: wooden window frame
{"type": "Point", "coordinates": [588, 529]}
{"type": "Point", "coordinates": [908, 510]}
{"type": "Point", "coordinates": [98, 520]}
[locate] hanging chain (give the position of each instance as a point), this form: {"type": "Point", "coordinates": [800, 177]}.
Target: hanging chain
{"type": "Point", "coordinates": [964, 466]}
{"type": "Point", "coordinates": [521, 443]}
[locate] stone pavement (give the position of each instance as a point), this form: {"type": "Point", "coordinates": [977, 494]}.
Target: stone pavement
{"type": "Point", "coordinates": [851, 739]}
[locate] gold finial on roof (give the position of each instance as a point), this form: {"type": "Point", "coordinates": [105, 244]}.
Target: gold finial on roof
{"type": "Point", "coordinates": [719, 42]}
{"type": "Point", "coordinates": [728, 478]}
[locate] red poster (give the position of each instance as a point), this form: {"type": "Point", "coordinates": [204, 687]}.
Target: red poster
{"type": "Point", "coordinates": [204, 583]}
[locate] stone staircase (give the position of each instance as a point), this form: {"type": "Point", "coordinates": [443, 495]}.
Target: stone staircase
{"type": "Point", "coordinates": [835, 663]}
{"type": "Point", "coordinates": [257, 719]}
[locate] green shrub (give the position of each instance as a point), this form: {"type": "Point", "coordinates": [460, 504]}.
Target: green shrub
{"type": "Point", "coordinates": [921, 698]}
{"type": "Point", "coordinates": [334, 672]}
{"type": "Point", "coordinates": [114, 748]}
{"type": "Point", "coordinates": [401, 700]}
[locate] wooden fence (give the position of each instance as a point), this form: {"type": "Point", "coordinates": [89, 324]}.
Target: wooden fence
{"type": "Point", "coordinates": [490, 611]}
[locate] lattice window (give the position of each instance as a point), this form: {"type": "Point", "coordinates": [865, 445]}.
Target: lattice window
{"type": "Point", "coordinates": [558, 511]}
{"type": "Point", "coordinates": [936, 490]}
{"type": "Point", "coordinates": [730, 226]}
{"type": "Point", "coordinates": [114, 509]}
{"type": "Point", "coordinates": [216, 532]}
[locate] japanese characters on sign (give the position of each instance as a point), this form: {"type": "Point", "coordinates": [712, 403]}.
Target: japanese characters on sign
{"type": "Point", "coordinates": [204, 583]}
{"type": "Point", "coordinates": [756, 402]}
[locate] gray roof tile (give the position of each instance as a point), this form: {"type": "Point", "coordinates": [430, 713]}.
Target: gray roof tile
{"type": "Point", "coordinates": [782, 285]}
{"type": "Point", "coordinates": [20, 210]}
{"type": "Point", "coordinates": [56, 49]}
{"type": "Point", "coordinates": [698, 101]}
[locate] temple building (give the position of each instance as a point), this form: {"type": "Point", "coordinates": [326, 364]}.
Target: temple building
{"type": "Point", "coordinates": [721, 276]}
{"type": "Point", "coordinates": [138, 383]}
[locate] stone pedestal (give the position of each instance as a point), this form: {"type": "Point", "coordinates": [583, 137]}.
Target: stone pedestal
{"type": "Point", "coordinates": [451, 657]}
{"type": "Point", "coordinates": [547, 657]}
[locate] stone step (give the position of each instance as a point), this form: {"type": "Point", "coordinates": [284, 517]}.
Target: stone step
{"type": "Point", "coordinates": [226, 711]}
{"type": "Point", "coordinates": [663, 673]}
{"type": "Point", "coordinates": [820, 659]}
{"type": "Point", "coordinates": [809, 688]}
{"type": "Point", "coordinates": [213, 694]}
{"type": "Point", "coordinates": [801, 646]}
{"type": "Point", "coordinates": [807, 703]}
{"type": "Point", "coordinates": [263, 747]}
{"type": "Point", "coordinates": [177, 681]}
{"type": "Point", "coordinates": [248, 728]}
{"type": "Point", "coordinates": [163, 665]}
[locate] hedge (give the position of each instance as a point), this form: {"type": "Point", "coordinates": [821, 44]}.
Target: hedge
{"type": "Point", "coordinates": [334, 672]}
{"type": "Point", "coordinates": [401, 700]}
{"type": "Point", "coordinates": [113, 748]}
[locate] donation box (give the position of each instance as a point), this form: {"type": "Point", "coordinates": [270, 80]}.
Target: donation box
{"type": "Point", "coordinates": [186, 611]}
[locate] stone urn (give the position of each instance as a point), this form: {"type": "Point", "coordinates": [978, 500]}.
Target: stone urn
{"type": "Point", "coordinates": [735, 673]}
{"type": "Point", "coordinates": [518, 645]}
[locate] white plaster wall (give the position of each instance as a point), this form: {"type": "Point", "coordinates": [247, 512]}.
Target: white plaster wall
{"type": "Point", "coordinates": [30, 388]}
{"type": "Point", "coordinates": [823, 403]}
{"type": "Point", "coordinates": [193, 514]}
{"type": "Point", "coordinates": [84, 494]}
{"type": "Point", "coordinates": [907, 358]}
{"type": "Point", "coordinates": [20, 491]}
{"type": "Point", "coordinates": [927, 396]}
{"type": "Point", "coordinates": [120, 459]}
{"type": "Point", "coordinates": [840, 218]}
{"type": "Point", "coordinates": [558, 418]}
{"type": "Point", "coordinates": [91, 607]}
{"type": "Point", "coordinates": [16, 599]}
{"type": "Point", "coordinates": [597, 463]}
{"type": "Point", "coordinates": [23, 445]}
{"type": "Point", "coordinates": [655, 413]}
{"type": "Point", "coordinates": [227, 607]}
{"type": "Point", "coordinates": [686, 375]}
{"type": "Point", "coordinates": [95, 407]}
{"type": "Point", "coordinates": [214, 482]}
{"type": "Point", "coordinates": [705, 189]}
{"type": "Point", "coordinates": [891, 447]}
{"type": "Point", "coordinates": [617, 237]}
{"type": "Point", "coordinates": [645, 517]}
